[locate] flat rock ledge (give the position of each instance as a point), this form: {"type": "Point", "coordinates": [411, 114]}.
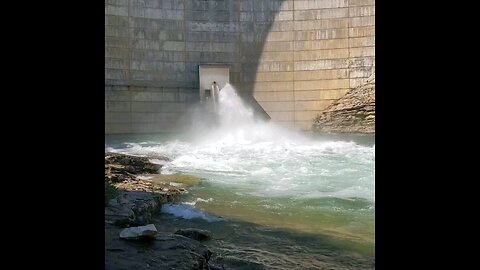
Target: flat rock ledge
{"type": "Point", "coordinates": [197, 234]}
{"type": "Point", "coordinates": [135, 208]}
{"type": "Point", "coordinates": [164, 251]}
{"type": "Point", "coordinates": [138, 199]}
{"type": "Point", "coordinates": [131, 240]}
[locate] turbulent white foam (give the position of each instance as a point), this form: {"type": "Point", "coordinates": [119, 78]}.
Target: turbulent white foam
{"type": "Point", "coordinates": [144, 177]}
{"type": "Point", "coordinates": [110, 149]}
{"type": "Point", "coordinates": [260, 158]}
{"type": "Point", "coordinates": [262, 171]}
{"type": "Point", "coordinates": [204, 200]}
{"type": "Point", "coordinates": [158, 161]}
{"type": "Point", "coordinates": [187, 212]}
{"type": "Point", "coordinates": [176, 184]}
{"type": "Point", "coordinates": [199, 200]}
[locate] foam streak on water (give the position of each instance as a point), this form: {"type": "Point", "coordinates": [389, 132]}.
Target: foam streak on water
{"type": "Point", "coordinates": [186, 211]}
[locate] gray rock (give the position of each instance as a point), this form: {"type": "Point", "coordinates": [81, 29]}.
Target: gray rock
{"type": "Point", "coordinates": [166, 251]}
{"type": "Point", "coordinates": [196, 234]}
{"type": "Point", "coordinates": [215, 267]}
{"type": "Point", "coordinates": [148, 231]}
{"type": "Point", "coordinates": [120, 167]}
{"type": "Point", "coordinates": [134, 208]}
{"type": "Point", "coordinates": [119, 215]}
{"type": "Point", "coordinates": [353, 113]}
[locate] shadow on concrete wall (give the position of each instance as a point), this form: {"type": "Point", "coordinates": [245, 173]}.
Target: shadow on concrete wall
{"type": "Point", "coordinates": [153, 50]}
{"type": "Point", "coordinates": [251, 51]}
{"type": "Point", "coordinates": [247, 24]}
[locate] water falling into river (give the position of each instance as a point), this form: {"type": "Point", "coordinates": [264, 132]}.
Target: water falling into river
{"type": "Point", "coordinates": [256, 173]}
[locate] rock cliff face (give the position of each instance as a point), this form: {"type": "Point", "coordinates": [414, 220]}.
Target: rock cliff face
{"type": "Point", "coordinates": [354, 113]}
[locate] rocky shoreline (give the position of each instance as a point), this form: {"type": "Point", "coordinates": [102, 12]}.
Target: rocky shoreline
{"type": "Point", "coordinates": [354, 113]}
{"type": "Point", "coordinates": [131, 240]}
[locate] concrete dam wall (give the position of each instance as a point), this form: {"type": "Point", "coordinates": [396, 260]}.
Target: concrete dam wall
{"type": "Point", "coordinates": [294, 58]}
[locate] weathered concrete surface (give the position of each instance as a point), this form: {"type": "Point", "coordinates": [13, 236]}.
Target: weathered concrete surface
{"type": "Point", "coordinates": [294, 57]}
{"type": "Point", "coordinates": [353, 113]}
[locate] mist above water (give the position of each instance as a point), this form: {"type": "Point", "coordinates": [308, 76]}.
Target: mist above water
{"type": "Point", "coordinates": [231, 119]}
{"type": "Point", "coordinates": [229, 147]}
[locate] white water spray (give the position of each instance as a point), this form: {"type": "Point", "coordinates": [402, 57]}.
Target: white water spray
{"type": "Point", "coordinates": [259, 158]}
{"type": "Point", "coordinates": [236, 123]}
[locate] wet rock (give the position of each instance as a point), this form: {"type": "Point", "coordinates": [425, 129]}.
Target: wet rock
{"type": "Point", "coordinates": [134, 208]}
{"type": "Point", "coordinates": [195, 253]}
{"type": "Point", "coordinates": [123, 171]}
{"type": "Point", "coordinates": [120, 167]}
{"type": "Point", "coordinates": [215, 267]}
{"type": "Point", "coordinates": [197, 234]}
{"type": "Point", "coordinates": [353, 113]}
{"type": "Point", "coordinates": [148, 186]}
{"type": "Point", "coordinates": [115, 249]}
{"type": "Point", "coordinates": [119, 215]}
{"type": "Point", "coordinates": [166, 251]}
{"type": "Point", "coordinates": [148, 231]}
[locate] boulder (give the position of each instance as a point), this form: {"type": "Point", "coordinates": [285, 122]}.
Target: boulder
{"type": "Point", "coordinates": [119, 215]}
{"type": "Point", "coordinates": [196, 234]}
{"type": "Point", "coordinates": [166, 251]}
{"type": "Point", "coordinates": [134, 208]}
{"type": "Point", "coordinates": [148, 231]}
{"type": "Point", "coordinates": [131, 164]}
{"type": "Point", "coordinates": [120, 167]}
